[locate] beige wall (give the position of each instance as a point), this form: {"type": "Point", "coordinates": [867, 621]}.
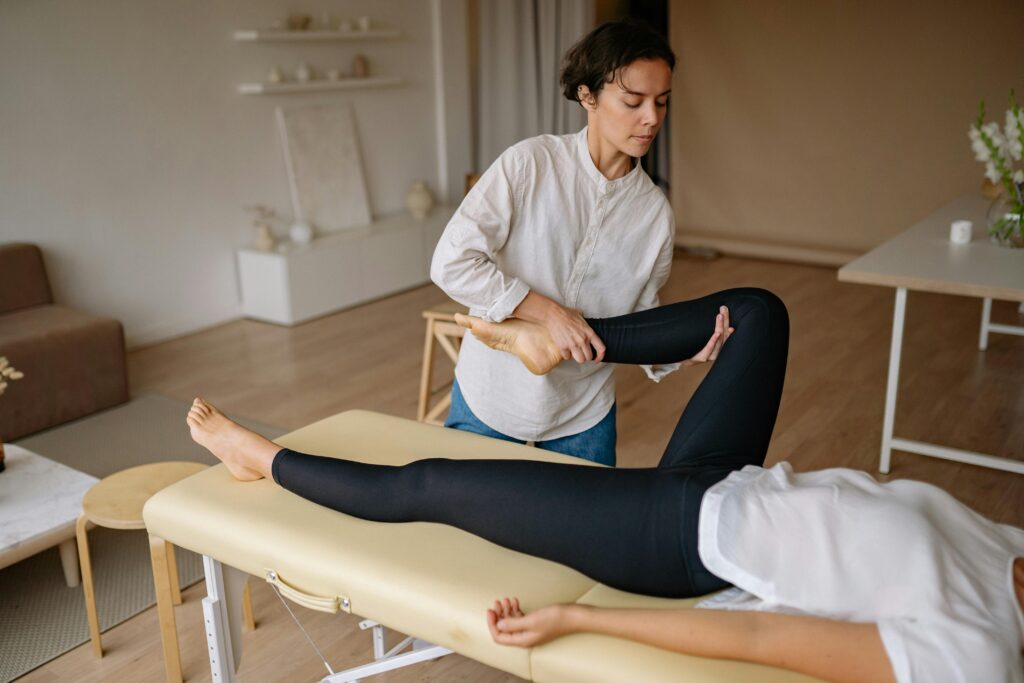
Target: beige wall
{"type": "Point", "coordinates": [816, 129]}
{"type": "Point", "coordinates": [127, 154]}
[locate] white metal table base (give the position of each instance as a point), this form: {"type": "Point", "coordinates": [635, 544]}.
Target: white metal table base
{"type": "Point", "coordinates": [988, 327]}
{"type": "Point", "coordinates": [224, 587]}
{"type": "Point", "coordinates": [890, 442]}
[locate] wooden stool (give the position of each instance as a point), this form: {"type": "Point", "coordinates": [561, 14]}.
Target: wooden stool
{"type": "Point", "coordinates": [116, 503]}
{"type": "Point", "coordinates": [441, 327]}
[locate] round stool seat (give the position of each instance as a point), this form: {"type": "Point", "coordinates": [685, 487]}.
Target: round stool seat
{"type": "Point", "coordinates": [116, 501]}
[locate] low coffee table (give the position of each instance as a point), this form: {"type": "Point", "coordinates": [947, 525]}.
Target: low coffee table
{"type": "Point", "coordinates": [40, 500]}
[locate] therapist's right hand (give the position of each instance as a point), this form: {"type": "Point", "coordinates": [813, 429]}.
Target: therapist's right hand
{"type": "Point", "coordinates": [568, 329]}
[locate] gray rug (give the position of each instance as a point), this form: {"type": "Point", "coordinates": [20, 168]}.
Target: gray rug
{"type": "Point", "coordinates": [40, 617]}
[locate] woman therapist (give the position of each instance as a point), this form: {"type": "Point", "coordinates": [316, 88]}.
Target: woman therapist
{"type": "Point", "coordinates": [562, 227]}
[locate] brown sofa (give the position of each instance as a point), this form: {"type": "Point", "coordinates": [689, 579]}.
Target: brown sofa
{"type": "Point", "coordinates": [73, 363]}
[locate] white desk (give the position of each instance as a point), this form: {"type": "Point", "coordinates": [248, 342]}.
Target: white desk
{"type": "Point", "coordinates": [923, 259]}
{"type": "Point", "coordinates": [39, 502]}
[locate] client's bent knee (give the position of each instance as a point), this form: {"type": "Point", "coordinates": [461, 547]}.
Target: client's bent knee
{"type": "Point", "coordinates": [757, 313]}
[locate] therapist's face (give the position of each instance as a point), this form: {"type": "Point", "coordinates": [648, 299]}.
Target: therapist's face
{"type": "Point", "coordinates": [629, 111]}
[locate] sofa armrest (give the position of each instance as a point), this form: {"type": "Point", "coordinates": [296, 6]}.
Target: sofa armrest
{"type": "Point", "coordinates": [23, 281]}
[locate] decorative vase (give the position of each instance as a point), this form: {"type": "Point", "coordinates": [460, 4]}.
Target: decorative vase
{"type": "Point", "coordinates": [419, 200]}
{"type": "Point", "coordinates": [299, 22]}
{"type": "Point", "coordinates": [360, 67]}
{"type": "Point", "coordinates": [264, 238]}
{"type": "Point", "coordinates": [1005, 226]}
{"type": "Point", "coordinates": [301, 233]}
{"type": "Point", "coordinates": [304, 73]}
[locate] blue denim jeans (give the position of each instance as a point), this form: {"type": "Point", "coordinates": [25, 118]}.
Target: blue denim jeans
{"type": "Point", "coordinates": [596, 444]}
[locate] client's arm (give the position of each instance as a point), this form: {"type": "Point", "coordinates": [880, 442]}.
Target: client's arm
{"type": "Point", "coordinates": [833, 650]}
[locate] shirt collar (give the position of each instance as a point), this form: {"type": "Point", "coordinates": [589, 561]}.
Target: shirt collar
{"type": "Point", "coordinates": [595, 174]}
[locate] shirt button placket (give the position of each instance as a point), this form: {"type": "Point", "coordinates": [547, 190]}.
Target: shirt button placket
{"type": "Point", "coordinates": [586, 250]}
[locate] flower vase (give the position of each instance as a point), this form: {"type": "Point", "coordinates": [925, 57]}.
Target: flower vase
{"type": "Point", "coordinates": [419, 201]}
{"type": "Point", "coordinates": [1005, 227]}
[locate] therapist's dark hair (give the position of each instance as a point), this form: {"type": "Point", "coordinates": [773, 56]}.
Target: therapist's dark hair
{"type": "Point", "coordinates": [598, 57]}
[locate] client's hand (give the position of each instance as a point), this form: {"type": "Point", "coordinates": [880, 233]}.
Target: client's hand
{"type": "Point", "coordinates": [718, 338]}
{"type": "Point", "coordinates": [511, 626]}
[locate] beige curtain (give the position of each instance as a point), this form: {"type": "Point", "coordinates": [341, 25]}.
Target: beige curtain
{"type": "Point", "coordinates": [521, 44]}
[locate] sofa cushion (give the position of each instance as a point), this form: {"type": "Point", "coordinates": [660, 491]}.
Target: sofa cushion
{"type": "Point", "coordinates": [73, 365]}
{"type": "Point", "coordinates": [23, 281]}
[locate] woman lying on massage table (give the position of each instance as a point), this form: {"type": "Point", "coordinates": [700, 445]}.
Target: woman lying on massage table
{"type": "Point", "coordinates": [845, 579]}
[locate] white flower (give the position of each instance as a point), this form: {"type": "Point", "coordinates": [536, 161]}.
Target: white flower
{"type": "Point", "coordinates": [978, 145]}
{"type": "Point", "coordinates": [991, 173]}
{"type": "Point", "coordinates": [1018, 176]}
{"type": "Point", "coordinates": [1014, 148]}
{"type": "Point", "coordinates": [1012, 124]}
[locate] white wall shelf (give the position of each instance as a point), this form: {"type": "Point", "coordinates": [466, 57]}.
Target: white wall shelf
{"type": "Point", "coordinates": [270, 36]}
{"type": "Point", "coordinates": [317, 86]}
{"type": "Point", "coordinates": [341, 269]}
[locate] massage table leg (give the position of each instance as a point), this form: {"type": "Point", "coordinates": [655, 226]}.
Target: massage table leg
{"type": "Point", "coordinates": [223, 616]}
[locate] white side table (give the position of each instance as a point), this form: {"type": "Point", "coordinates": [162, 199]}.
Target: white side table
{"type": "Point", "coordinates": [39, 502]}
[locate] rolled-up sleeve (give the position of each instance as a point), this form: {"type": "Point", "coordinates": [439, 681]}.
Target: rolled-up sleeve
{"type": "Point", "coordinates": [649, 295]}
{"type": "Point", "coordinates": [464, 263]}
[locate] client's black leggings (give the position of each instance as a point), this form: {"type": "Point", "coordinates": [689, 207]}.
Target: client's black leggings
{"type": "Point", "coordinates": [633, 529]}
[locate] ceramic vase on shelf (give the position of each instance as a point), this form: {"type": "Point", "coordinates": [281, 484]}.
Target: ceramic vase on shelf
{"type": "Point", "coordinates": [419, 201]}
{"type": "Point", "coordinates": [304, 73]}
{"type": "Point", "coordinates": [1004, 220]}
{"type": "Point", "coordinates": [265, 238]}
{"type": "Point", "coordinates": [360, 67]}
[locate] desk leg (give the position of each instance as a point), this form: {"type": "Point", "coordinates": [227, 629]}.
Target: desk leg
{"type": "Point", "coordinates": [986, 317]}
{"type": "Point", "coordinates": [898, 316]}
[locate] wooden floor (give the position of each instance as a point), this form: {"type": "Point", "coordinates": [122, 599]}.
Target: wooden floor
{"type": "Point", "coordinates": [369, 357]}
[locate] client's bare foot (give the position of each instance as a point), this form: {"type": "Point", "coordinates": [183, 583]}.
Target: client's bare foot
{"type": "Point", "coordinates": [528, 341]}
{"type": "Point", "coordinates": [246, 454]}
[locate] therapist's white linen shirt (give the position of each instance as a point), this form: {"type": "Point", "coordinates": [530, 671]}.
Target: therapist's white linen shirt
{"type": "Point", "coordinates": [934, 575]}
{"type": "Point", "coordinates": [543, 217]}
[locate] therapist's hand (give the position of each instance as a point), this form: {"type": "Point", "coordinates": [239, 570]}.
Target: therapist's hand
{"type": "Point", "coordinates": [570, 332]}
{"type": "Point", "coordinates": [714, 346]}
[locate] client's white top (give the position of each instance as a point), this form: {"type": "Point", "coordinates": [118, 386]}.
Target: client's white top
{"type": "Point", "coordinates": [935, 576]}
{"type": "Point", "coordinates": [543, 217]}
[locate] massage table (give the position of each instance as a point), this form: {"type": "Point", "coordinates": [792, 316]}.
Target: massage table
{"type": "Point", "coordinates": [431, 581]}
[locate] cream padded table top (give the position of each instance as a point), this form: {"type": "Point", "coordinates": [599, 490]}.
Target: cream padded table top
{"type": "Point", "coordinates": [428, 580]}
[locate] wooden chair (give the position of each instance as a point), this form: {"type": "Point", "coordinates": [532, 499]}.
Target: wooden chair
{"type": "Point", "coordinates": [441, 328]}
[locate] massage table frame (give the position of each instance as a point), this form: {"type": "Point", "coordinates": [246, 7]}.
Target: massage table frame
{"type": "Point", "coordinates": [439, 599]}
{"type": "Point", "coordinates": [223, 626]}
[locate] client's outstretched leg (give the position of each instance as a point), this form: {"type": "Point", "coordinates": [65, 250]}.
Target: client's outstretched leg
{"type": "Point", "coordinates": [246, 454]}
{"type": "Point", "coordinates": [633, 529]}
